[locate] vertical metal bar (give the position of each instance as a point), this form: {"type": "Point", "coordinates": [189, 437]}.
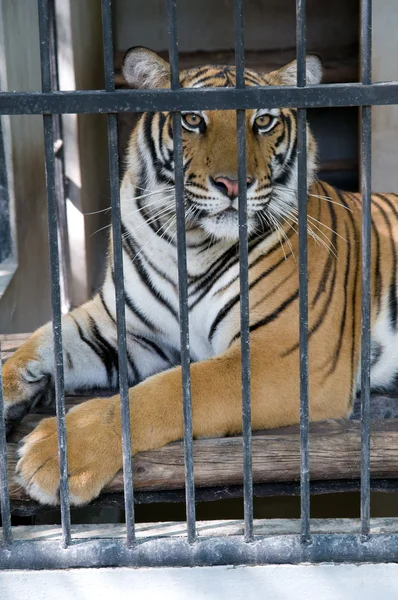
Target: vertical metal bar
{"type": "Point", "coordinates": [4, 493]}
{"type": "Point", "coordinates": [244, 278]}
{"type": "Point", "coordinates": [5, 217]}
{"type": "Point", "coordinates": [301, 33]}
{"type": "Point", "coordinates": [119, 277]}
{"type": "Point", "coordinates": [60, 178]}
{"type": "Point", "coordinates": [366, 55]}
{"type": "Point", "coordinates": [45, 58]}
{"type": "Point", "coordinates": [182, 277]}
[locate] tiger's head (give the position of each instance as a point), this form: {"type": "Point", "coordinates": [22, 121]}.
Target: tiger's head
{"type": "Point", "coordinates": [210, 148]}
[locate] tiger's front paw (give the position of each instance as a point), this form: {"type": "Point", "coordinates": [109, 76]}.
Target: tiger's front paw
{"type": "Point", "coordinates": [94, 454]}
{"type": "Point", "coordinates": [25, 381]}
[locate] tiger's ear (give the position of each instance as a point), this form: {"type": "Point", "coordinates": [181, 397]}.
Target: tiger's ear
{"type": "Point", "coordinates": [287, 75]}
{"type": "Point", "coordinates": [143, 68]}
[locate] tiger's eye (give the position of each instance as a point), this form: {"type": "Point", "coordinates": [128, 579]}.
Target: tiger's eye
{"type": "Point", "coordinates": [193, 119]}
{"type": "Point", "coordinates": [263, 121]}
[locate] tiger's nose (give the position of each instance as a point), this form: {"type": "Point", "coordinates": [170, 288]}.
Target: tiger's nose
{"type": "Point", "coordinates": [229, 187]}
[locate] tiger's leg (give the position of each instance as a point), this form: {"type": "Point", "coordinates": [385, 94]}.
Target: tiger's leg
{"type": "Point", "coordinates": [94, 428]}
{"type": "Point", "coordinates": [90, 360]}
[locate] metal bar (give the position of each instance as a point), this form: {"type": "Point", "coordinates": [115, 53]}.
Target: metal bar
{"type": "Point", "coordinates": [6, 245]}
{"type": "Point", "coordinates": [99, 101]}
{"type": "Point", "coordinates": [182, 277]}
{"type": "Point", "coordinates": [177, 552]}
{"type": "Point", "coordinates": [4, 492]}
{"type": "Point", "coordinates": [48, 124]}
{"type": "Point", "coordinates": [60, 177]}
{"type": "Point", "coordinates": [301, 33]}
{"type": "Point", "coordinates": [366, 164]}
{"type": "Point", "coordinates": [119, 277]}
{"type": "Point", "coordinates": [244, 279]}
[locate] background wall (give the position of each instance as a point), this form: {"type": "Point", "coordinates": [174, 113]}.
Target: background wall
{"type": "Point", "coordinates": [385, 118]}
{"type": "Point", "coordinates": [209, 24]}
{"type": "Point", "coordinates": [25, 303]}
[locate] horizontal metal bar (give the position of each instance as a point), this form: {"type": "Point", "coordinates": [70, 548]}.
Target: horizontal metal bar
{"type": "Point", "coordinates": [100, 101]}
{"type": "Point", "coordinates": [173, 552]}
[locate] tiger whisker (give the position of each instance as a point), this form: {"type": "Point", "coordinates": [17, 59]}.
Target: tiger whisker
{"type": "Point", "coordinates": [329, 245]}
{"type": "Point", "coordinates": [151, 238]}
{"type": "Point", "coordinates": [96, 212]}
{"type": "Point", "coordinates": [152, 219]}
{"type": "Point", "coordinates": [292, 208]}
{"type": "Point", "coordinates": [127, 215]}
{"type": "Point", "coordinates": [280, 232]}
{"type": "Point", "coordinates": [327, 198]}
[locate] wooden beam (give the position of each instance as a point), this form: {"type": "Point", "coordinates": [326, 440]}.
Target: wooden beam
{"type": "Point", "coordinates": [334, 454]}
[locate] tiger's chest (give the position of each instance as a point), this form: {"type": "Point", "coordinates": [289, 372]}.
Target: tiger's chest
{"type": "Point", "coordinates": [213, 286]}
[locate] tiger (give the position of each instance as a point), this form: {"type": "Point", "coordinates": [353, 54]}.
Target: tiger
{"type": "Point", "coordinates": [211, 202]}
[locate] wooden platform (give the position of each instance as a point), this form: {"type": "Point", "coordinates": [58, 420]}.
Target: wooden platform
{"type": "Point", "coordinates": [335, 453]}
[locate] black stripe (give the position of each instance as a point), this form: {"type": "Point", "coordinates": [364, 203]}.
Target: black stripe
{"type": "Point", "coordinates": [152, 346]}
{"type": "Point", "coordinates": [378, 290]}
{"type": "Point", "coordinates": [250, 79]}
{"type": "Point", "coordinates": [148, 122]}
{"type": "Point", "coordinates": [133, 254]}
{"type": "Point", "coordinates": [161, 124]}
{"type": "Point", "coordinates": [158, 271]}
{"type": "Point", "coordinates": [157, 163]}
{"type": "Point", "coordinates": [109, 355]}
{"type": "Point", "coordinates": [69, 360]}
{"type": "Point", "coordinates": [233, 301]}
{"type": "Point", "coordinates": [223, 263]}
{"type": "Point", "coordinates": [344, 315]}
{"type": "Point", "coordinates": [326, 271]}
{"type": "Point", "coordinates": [393, 284]}
{"type": "Point", "coordinates": [270, 293]}
{"type": "Point", "coordinates": [327, 302]}
{"type": "Point", "coordinates": [284, 176]}
{"type": "Point", "coordinates": [108, 312]}
{"type": "Point", "coordinates": [341, 197]}
{"type": "Point", "coordinates": [135, 310]}
{"type": "Point", "coordinates": [94, 347]}
{"type": "Point", "coordinates": [202, 280]}
{"type": "Point", "coordinates": [206, 78]}
{"type": "Point", "coordinates": [271, 317]}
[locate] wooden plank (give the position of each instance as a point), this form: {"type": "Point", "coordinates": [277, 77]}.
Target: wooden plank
{"type": "Point", "coordinates": [334, 454]}
{"type": "Point", "coordinates": [217, 528]}
{"type": "Point", "coordinates": [11, 342]}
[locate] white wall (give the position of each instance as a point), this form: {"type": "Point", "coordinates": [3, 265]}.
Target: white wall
{"type": "Point", "coordinates": [318, 582]}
